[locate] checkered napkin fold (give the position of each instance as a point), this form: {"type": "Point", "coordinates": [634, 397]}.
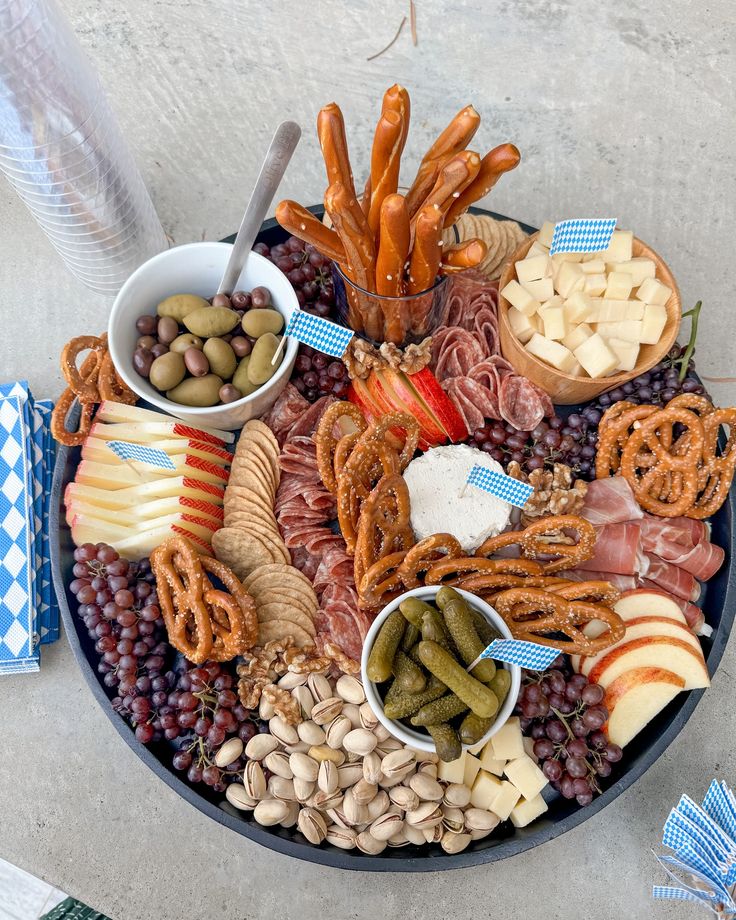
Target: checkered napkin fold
{"type": "Point", "coordinates": [29, 615]}
{"type": "Point", "coordinates": [703, 839]}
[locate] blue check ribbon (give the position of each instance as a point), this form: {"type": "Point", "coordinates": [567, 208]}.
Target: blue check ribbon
{"type": "Point", "coordinates": [499, 484]}
{"type": "Point", "coordinates": [582, 235]}
{"type": "Point", "coordinates": [527, 655]}
{"type": "Point", "coordinates": [319, 333]}
{"type": "Point", "coordinates": [151, 455]}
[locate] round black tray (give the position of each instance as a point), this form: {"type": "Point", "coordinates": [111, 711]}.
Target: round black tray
{"type": "Point", "coordinates": [719, 605]}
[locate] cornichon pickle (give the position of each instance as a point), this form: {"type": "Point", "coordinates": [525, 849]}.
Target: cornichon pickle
{"type": "Point", "coordinates": [434, 629]}
{"type": "Point", "coordinates": [500, 684]}
{"type": "Point", "coordinates": [446, 741]}
{"type": "Point", "coordinates": [479, 698]}
{"type": "Point", "coordinates": [384, 648]}
{"type": "Point", "coordinates": [485, 630]}
{"type": "Point", "coordinates": [409, 676]}
{"type": "Point", "coordinates": [399, 705]}
{"type": "Point", "coordinates": [393, 693]}
{"type": "Point", "coordinates": [412, 635]}
{"type": "Point", "coordinates": [472, 728]}
{"type": "Point", "coordinates": [413, 609]}
{"type": "Point", "coordinates": [441, 710]}
{"type": "Point", "coordinates": [459, 621]}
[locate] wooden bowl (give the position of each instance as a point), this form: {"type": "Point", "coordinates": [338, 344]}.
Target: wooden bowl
{"type": "Point", "coordinates": [566, 389]}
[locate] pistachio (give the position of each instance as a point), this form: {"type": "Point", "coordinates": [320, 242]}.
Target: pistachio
{"type": "Point", "coordinates": [305, 699]}
{"type": "Point", "coordinates": [343, 837]}
{"type": "Point", "coordinates": [337, 730]}
{"type": "Point", "coordinates": [479, 835]}
{"type": "Point", "coordinates": [228, 752]}
{"type": "Point", "coordinates": [291, 680]}
{"type": "Point", "coordinates": [453, 818]}
{"type": "Point", "coordinates": [282, 788]}
{"type": "Point", "coordinates": [254, 782]}
{"type": "Point", "coordinates": [428, 814]}
{"type": "Point", "coordinates": [337, 816]}
{"type": "Point", "coordinates": [399, 839]}
{"type": "Point", "coordinates": [378, 805]}
{"type": "Point", "coordinates": [312, 825]}
{"type": "Point", "coordinates": [428, 789]}
{"type": "Point", "coordinates": [292, 815]}
{"type": "Point", "coordinates": [477, 819]}
{"type": "Point", "coordinates": [368, 718]}
{"type": "Point", "coordinates": [303, 766]}
{"type": "Point", "coordinates": [381, 732]}
{"type": "Point", "coordinates": [433, 834]}
{"type": "Point", "coordinates": [259, 746]}
{"type": "Point", "coordinates": [367, 843]}
{"type": "Point", "coordinates": [278, 763]}
{"type": "Point", "coordinates": [326, 800]}
{"type": "Point", "coordinates": [270, 812]}
{"type": "Point", "coordinates": [325, 710]}
{"type": "Point", "coordinates": [404, 797]}
{"type": "Point", "coordinates": [350, 689]}
{"type": "Point", "coordinates": [426, 756]}
{"type": "Point", "coordinates": [364, 792]}
{"type": "Point", "coordinates": [322, 752]}
{"type": "Point", "coordinates": [310, 732]}
{"type": "Point", "coordinates": [414, 834]}
{"type": "Point", "coordinates": [327, 777]}
{"type": "Point", "coordinates": [319, 686]}
{"type": "Point", "coordinates": [457, 795]}
{"type": "Point", "coordinates": [266, 709]}
{"type": "Point", "coordinates": [349, 774]}
{"type": "Point", "coordinates": [282, 731]}
{"type": "Point", "coordinates": [396, 763]}
{"type": "Point", "coordinates": [359, 741]}
{"type": "Point", "coordinates": [301, 747]}
{"type": "Point", "coordinates": [390, 744]}
{"type": "Point", "coordinates": [354, 811]}
{"type": "Point", "coordinates": [454, 843]}
{"type": "Point", "coordinates": [352, 711]}
{"type": "Point", "coordinates": [428, 769]}
{"type": "Point", "coordinates": [372, 768]}
{"type": "Point", "coordinates": [303, 788]}
{"type": "Point", "coordinates": [237, 796]}
{"type": "Point", "coordinates": [388, 782]}
{"type": "Point", "coordinates": [387, 826]}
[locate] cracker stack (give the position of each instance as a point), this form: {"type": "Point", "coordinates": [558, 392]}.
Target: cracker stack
{"type": "Point", "coordinates": [286, 603]}
{"type": "Point", "coordinates": [502, 237]}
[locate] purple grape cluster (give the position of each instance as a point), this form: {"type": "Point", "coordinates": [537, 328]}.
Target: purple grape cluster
{"type": "Point", "coordinates": [564, 714]}
{"type": "Point", "coordinates": [307, 270]}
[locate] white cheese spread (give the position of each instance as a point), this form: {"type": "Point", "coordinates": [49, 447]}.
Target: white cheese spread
{"type": "Point", "coordinates": [441, 502]}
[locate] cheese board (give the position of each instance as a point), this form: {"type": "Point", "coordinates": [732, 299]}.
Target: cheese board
{"type": "Point", "coordinates": [373, 599]}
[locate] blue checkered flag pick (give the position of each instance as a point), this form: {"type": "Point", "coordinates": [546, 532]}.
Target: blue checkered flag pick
{"type": "Point", "coordinates": [582, 235]}
{"type": "Point", "coordinates": [319, 333]}
{"type": "Point", "coordinates": [505, 487]}
{"type": "Point", "coordinates": [529, 655]}
{"type": "Point", "coordinates": [151, 455]}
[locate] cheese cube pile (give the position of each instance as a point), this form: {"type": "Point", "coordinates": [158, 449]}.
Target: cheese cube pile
{"type": "Point", "coordinates": [587, 314]}
{"type": "Point", "coordinates": [503, 776]}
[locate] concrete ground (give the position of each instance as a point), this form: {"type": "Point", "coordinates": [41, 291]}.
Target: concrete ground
{"type": "Point", "coordinates": [621, 110]}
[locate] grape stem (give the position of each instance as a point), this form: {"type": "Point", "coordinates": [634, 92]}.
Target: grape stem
{"type": "Point", "coordinates": [684, 361]}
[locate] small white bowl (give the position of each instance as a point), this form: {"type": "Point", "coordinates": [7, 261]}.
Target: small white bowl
{"type": "Point", "coordinates": [197, 268]}
{"type": "Point", "coordinates": [419, 740]}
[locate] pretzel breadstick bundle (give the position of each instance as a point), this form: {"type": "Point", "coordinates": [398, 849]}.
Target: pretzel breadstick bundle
{"type": "Point", "coordinates": [464, 255]}
{"type": "Point", "coordinates": [456, 136]}
{"type": "Point", "coordinates": [427, 251]}
{"type": "Point", "coordinates": [300, 222]}
{"type": "Point", "coordinates": [494, 164]}
{"type": "Point", "coordinates": [334, 144]}
{"type": "Point", "coordinates": [385, 164]}
{"type": "Point", "coordinates": [454, 177]}
{"type": "Point", "coordinates": [393, 252]}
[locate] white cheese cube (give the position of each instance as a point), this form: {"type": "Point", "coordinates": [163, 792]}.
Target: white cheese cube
{"type": "Point", "coordinates": [611, 311]}
{"type": "Point", "coordinates": [596, 266]}
{"type": "Point", "coordinates": [596, 357]}
{"type": "Point", "coordinates": [540, 290]}
{"type": "Point", "coordinates": [576, 369]}
{"type": "Point", "coordinates": [485, 790]}
{"type": "Point", "coordinates": [554, 301]}
{"type": "Point", "coordinates": [532, 269]}
{"type": "Point", "coordinates": [521, 325]}
{"type": "Point", "coordinates": [577, 335]}
{"type": "Point", "coordinates": [595, 284]}
{"type": "Point", "coordinates": [546, 234]}
{"type": "Point", "coordinates": [529, 748]}
{"type": "Point", "coordinates": [506, 798]}
{"type": "Point", "coordinates": [554, 322]}
{"type": "Point", "coordinates": [592, 256]}
{"type": "Point", "coordinates": [537, 249]}
{"type": "Point", "coordinates": [525, 811]}
{"type": "Point", "coordinates": [559, 258]}
{"type": "Point", "coordinates": [635, 309]}
{"type": "Point", "coordinates": [452, 771]}
{"type": "Point", "coordinates": [626, 352]}
{"type": "Point", "coordinates": [577, 307]}
{"type": "Point", "coordinates": [550, 351]}
{"type": "Point", "coordinates": [619, 249]}
{"type": "Point", "coordinates": [639, 269]}
{"type": "Point", "coordinates": [629, 330]}
{"type": "Point", "coordinates": [570, 278]}
{"type": "Point", "coordinates": [653, 291]}
{"type": "Point", "coordinates": [472, 767]}
{"type": "Point", "coordinates": [619, 286]}
{"type": "Point", "coordinates": [489, 761]}
{"type": "Point", "coordinates": [653, 323]}
{"type": "Point", "coordinates": [526, 776]}
{"type": "Point", "coordinates": [507, 743]}
{"type": "Point", "coordinates": [520, 298]}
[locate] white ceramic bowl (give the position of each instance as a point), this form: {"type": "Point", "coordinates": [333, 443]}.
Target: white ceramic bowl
{"type": "Point", "coordinates": [416, 739]}
{"type": "Point", "coordinates": [197, 268]}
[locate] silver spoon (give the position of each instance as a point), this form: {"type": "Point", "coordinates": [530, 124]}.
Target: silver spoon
{"type": "Point", "coordinates": [272, 172]}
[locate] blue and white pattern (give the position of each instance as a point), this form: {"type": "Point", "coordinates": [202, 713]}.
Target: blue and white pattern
{"type": "Point", "coordinates": [319, 333]}
{"type": "Point", "coordinates": [529, 655]}
{"type": "Point", "coordinates": [29, 615]}
{"type": "Point", "coordinates": [582, 235]}
{"type": "Point", "coordinates": [151, 455]}
{"type": "Point", "coordinates": [499, 484]}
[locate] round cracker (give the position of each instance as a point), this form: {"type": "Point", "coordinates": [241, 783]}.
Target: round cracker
{"type": "Point", "coordinates": [288, 574]}
{"type": "Point", "coordinates": [247, 476]}
{"type": "Point", "coordinates": [273, 610]}
{"type": "Point", "coordinates": [280, 629]}
{"type": "Point", "coordinates": [300, 599]}
{"type": "Point", "coordinates": [241, 551]}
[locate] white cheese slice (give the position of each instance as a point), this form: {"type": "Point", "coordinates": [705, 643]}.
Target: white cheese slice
{"type": "Point", "coordinates": [638, 268]}
{"type": "Point", "coordinates": [472, 768]}
{"type": "Point", "coordinates": [490, 762]}
{"type": "Point", "coordinates": [507, 743]}
{"type": "Point", "coordinates": [484, 791]}
{"type": "Point", "coordinates": [552, 352]}
{"type": "Point", "coordinates": [452, 771]}
{"type": "Point", "coordinates": [594, 267]}
{"type": "Point", "coordinates": [619, 249]}
{"type": "Point", "coordinates": [532, 269]}
{"type": "Point", "coordinates": [521, 325]}
{"type": "Point", "coordinates": [653, 291]}
{"type": "Point", "coordinates": [626, 352]}
{"type": "Point", "coordinates": [619, 286]}
{"type": "Point", "coordinates": [506, 798]}
{"type": "Point", "coordinates": [577, 307]}
{"type": "Point", "coordinates": [596, 357]}
{"type": "Point", "coordinates": [653, 323]}
{"type": "Point", "coordinates": [595, 285]}
{"type": "Point", "coordinates": [577, 335]}
{"type": "Point", "coordinates": [537, 249]}
{"type": "Point", "coordinates": [520, 298]}
{"type": "Point", "coordinates": [569, 278]}
{"type": "Point", "coordinates": [628, 329]}
{"type": "Point", "coordinates": [524, 812]}
{"type": "Point", "coordinates": [526, 776]}
{"type": "Point", "coordinates": [554, 322]}
{"type": "Point", "coordinates": [540, 290]}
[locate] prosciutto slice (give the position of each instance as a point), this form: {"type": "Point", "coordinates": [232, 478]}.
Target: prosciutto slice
{"type": "Point", "coordinates": [617, 550]}
{"type": "Point", "coordinates": [671, 578]}
{"type": "Point", "coordinates": [610, 501]}
{"type": "Point", "coordinates": [683, 542]}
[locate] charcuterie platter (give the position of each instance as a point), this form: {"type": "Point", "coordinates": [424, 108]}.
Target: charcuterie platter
{"type": "Point", "coordinates": [412, 551]}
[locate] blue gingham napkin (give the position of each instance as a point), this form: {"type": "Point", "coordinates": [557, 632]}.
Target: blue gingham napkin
{"type": "Point", "coordinates": [29, 615]}
{"type": "Point", "coordinates": [582, 235]}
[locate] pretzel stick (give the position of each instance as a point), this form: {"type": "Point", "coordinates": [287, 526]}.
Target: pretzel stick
{"type": "Point", "coordinates": [300, 222]}
{"type": "Point", "coordinates": [455, 176]}
{"type": "Point", "coordinates": [425, 256]}
{"type": "Point", "coordinates": [464, 255]}
{"type": "Point", "coordinates": [456, 136]}
{"type": "Point", "coordinates": [334, 144]}
{"type": "Point", "coordinates": [365, 198]}
{"type": "Point", "coordinates": [396, 99]}
{"type": "Point", "coordinates": [393, 251]}
{"type": "Point", "coordinates": [494, 164]}
{"type": "Point", "coordinates": [385, 163]}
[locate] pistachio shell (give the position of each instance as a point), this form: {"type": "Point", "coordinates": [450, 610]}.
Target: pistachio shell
{"type": "Point", "coordinates": [312, 825]}
{"type": "Point", "coordinates": [237, 796]}
{"type": "Point", "coordinates": [278, 763]}
{"type": "Point", "coordinates": [228, 752]}
{"type": "Point", "coordinates": [270, 812]}
{"type": "Point", "coordinates": [259, 746]}
{"type": "Point", "coordinates": [304, 766]}
{"type": "Point", "coordinates": [386, 826]}
{"type": "Point", "coordinates": [311, 732]}
{"type": "Point", "coordinates": [350, 689]}
{"type": "Point", "coordinates": [254, 781]}
{"type": "Point", "coordinates": [454, 843]}
{"type": "Point", "coordinates": [319, 686]}
{"type": "Point", "coordinates": [359, 741]}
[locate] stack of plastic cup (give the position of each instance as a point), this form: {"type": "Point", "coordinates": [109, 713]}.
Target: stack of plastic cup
{"type": "Point", "coordinates": [63, 153]}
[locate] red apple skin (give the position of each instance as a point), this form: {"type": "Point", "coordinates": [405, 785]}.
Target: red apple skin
{"type": "Point", "coordinates": [602, 664]}
{"type": "Point", "coordinates": [634, 678]}
{"type": "Point", "coordinates": [650, 591]}
{"type": "Point", "coordinates": [636, 621]}
{"type": "Point", "coordinates": [426, 385]}
{"type": "Point", "coordinates": [393, 388]}
{"type": "Point", "coordinates": [358, 394]}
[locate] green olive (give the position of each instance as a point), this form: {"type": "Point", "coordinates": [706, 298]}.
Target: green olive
{"type": "Point", "coordinates": [241, 380]}
{"type": "Point", "coordinates": [184, 342]}
{"type": "Point", "coordinates": [209, 321]}
{"type": "Point", "coordinates": [257, 322]}
{"type": "Point", "coordinates": [221, 357]}
{"type": "Point", "coordinates": [167, 371]}
{"type": "Point", "coordinates": [180, 305]}
{"type": "Point", "coordinates": [197, 391]}
{"type": "Point", "coordinates": [260, 368]}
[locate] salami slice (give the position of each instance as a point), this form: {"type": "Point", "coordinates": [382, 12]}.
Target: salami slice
{"type": "Point", "coordinates": [520, 404]}
{"type": "Point", "coordinates": [288, 408]}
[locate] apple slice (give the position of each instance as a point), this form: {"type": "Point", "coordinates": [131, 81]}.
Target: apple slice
{"type": "Point", "coordinates": [148, 511]}
{"type": "Point", "coordinates": [635, 629]}
{"type": "Point", "coordinates": [109, 476]}
{"type": "Point", "coordinates": [635, 697]}
{"type": "Point", "coordinates": [183, 486]}
{"type": "Point", "coordinates": [645, 602]}
{"type": "Point", "coordinates": [655, 652]}
{"type": "Point", "coordinates": [95, 448]}
{"type": "Point", "coordinates": [359, 394]}
{"type": "Point", "coordinates": [402, 394]}
{"type": "Point", "coordinates": [87, 529]}
{"type": "Point", "coordinates": [430, 434]}
{"type": "Point", "coordinates": [426, 386]}
{"type": "Point", "coordinates": [109, 411]}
